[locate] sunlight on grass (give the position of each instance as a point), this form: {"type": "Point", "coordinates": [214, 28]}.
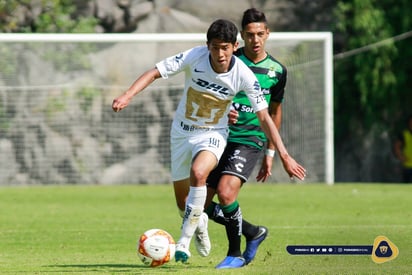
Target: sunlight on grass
{"type": "Point", "coordinates": [94, 229]}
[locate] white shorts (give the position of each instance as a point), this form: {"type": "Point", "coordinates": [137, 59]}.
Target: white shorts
{"type": "Point", "coordinates": [184, 146]}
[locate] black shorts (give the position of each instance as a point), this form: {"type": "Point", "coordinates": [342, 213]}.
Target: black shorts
{"type": "Point", "coordinates": [238, 160]}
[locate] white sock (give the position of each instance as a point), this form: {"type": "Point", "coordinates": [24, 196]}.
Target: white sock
{"type": "Point", "coordinates": [194, 208]}
{"type": "Point", "coordinates": [201, 223]}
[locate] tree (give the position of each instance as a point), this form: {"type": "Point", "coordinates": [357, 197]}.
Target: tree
{"type": "Point", "coordinates": [372, 88]}
{"type": "Point", "coordinates": [44, 16]}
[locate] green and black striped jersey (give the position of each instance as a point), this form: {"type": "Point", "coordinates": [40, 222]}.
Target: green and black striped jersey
{"type": "Point", "coordinates": [271, 75]}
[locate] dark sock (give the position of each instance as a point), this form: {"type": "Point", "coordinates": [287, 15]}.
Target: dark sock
{"type": "Point", "coordinates": [233, 215]}
{"type": "Point", "coordinates": [215, 213]}
{"type": "Point", "coordinates": [249, 230]}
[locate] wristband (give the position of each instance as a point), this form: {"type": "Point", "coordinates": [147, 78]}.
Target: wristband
{"type": "Point", "coordinates": [270, 153]}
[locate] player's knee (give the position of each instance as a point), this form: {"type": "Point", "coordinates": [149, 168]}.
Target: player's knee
{"type": "Point", "coordinates": [199, 176]}
{"type": "Point", "coordinates": [225, 198]}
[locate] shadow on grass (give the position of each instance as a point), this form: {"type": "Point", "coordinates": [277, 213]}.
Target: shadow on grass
{"type": "Point", "coordinates": [121, 267]}
{"type": "Point", "coordinates": [100, 265]}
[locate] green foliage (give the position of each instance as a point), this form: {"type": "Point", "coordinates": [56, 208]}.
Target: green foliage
{"type": "Point", "coordinates": [67, 56]}
{"type": "Point", "coordinates": [86, 96]}
{"type": "Point", "coordinates": [57, 104]}
{"type": "Point", "coordinates": [372, 85]}
{"type": "Point", "coordinates": [94, 229]}
{"type": "Point", "coordinates": [56, 16]}
{"type": "Point", "coordinates": [8, 62]}
{"type": "Point", "coordinates": [4, 123]}
{"type": "Point", "coordinates": [8, 22]}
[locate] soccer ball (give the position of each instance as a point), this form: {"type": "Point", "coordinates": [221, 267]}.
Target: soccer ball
{"type": "Point", "coordinates": [156, 247]}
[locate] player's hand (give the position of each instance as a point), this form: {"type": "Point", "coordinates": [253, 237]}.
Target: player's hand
{"type": "Point", "coordinates": [233, 115]}
{"type": "Point", "coordinates": [293, 168]}
{"type": "Point", "coordinates": [265, 169]}
{"type": "Point", "coordinates": [120, 103]}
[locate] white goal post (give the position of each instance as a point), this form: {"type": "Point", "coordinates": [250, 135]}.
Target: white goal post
{"type": "Point", "coordinates": [56, 123]}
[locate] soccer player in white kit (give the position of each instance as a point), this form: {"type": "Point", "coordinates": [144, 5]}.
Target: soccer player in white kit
{"type": "Point", "coordinates": [200, 125]}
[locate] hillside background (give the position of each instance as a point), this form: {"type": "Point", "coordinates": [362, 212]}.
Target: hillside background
{"type": "Point", "coordinates": [372, 47]}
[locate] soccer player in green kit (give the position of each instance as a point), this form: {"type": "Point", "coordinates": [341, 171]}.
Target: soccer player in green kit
{"type": "Point", "coordinates": [245, 142]}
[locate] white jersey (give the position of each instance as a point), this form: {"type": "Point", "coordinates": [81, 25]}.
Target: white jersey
{"type": "Point", "coordinates": [207, 95]}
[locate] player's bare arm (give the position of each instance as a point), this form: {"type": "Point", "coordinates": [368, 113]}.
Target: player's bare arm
{"type": "Point", "coordinates": [139, 85]}
{"type": "Point", "coordinates": [265, 171]}
{"type": "Point", "coordinates": [293, 168]}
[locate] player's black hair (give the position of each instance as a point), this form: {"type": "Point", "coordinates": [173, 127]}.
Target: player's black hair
{"type": "Point", "coordinates": [253, 15]}
{"type": "Point", "coordinates": [223, 30]}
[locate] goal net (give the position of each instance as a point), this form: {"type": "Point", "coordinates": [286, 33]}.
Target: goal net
{"type": "Point", "coordinates": [57, 126]}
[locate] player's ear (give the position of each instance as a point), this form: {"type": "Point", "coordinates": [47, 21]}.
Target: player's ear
{"type": "Point", "coordinates": [235, 46]}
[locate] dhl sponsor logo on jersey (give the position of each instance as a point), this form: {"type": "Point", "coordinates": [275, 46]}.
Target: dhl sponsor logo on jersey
{"type": "Point", "coordinates": [211, 86]}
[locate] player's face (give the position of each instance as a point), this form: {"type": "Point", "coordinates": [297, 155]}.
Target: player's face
{"type": "Point", "coordinates": [255, 36]}
{"type": "Point", "coordinates": [221, 54]}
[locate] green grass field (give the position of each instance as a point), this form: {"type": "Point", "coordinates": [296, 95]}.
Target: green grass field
{"type": "Point", "coordinates": [94, 229]}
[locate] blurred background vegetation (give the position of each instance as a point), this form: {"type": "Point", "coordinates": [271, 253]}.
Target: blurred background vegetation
{"type": "Point", "coordinates": [372, 55]}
